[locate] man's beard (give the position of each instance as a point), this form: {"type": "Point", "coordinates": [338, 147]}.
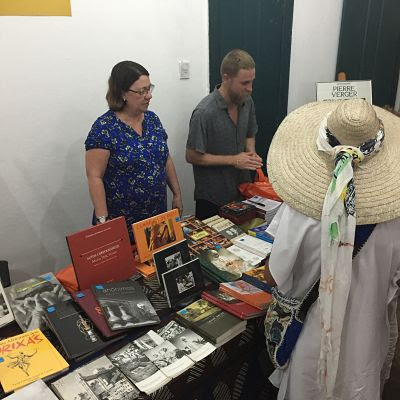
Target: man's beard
{"type": "Point", "coordinates": [236, 98]}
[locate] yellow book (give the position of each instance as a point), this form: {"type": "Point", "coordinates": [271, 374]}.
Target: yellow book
{"type": "Point", "coordinates": [26, 358]}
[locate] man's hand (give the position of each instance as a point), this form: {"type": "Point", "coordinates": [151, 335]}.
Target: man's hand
{"type": "Point", "coordinates": [247, 160]}
{"type": "Point", "coordinates": [177, 203]}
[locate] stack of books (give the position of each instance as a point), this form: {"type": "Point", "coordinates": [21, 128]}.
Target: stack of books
{"type": "Point", "coordinates": [224, 226]}
{"type": "Point", "coordinates": [211, 322]}
{"type": "Point", "coordinates": [256, 277]}
{"type": "Point", "coordinates": [254, 245]}
{"type": "Point", "coordinates": [238, 212]}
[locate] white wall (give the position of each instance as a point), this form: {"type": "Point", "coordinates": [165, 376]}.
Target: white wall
{"type": "Point", "coordinates": [53, 82]}
{"type": "Point", "coordinates": [315, 38]}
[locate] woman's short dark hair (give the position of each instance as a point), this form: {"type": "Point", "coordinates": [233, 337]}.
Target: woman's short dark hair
{"type": "Point", "coordinates": [122, 76]}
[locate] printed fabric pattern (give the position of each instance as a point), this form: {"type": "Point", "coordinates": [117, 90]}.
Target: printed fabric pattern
{"type": "Point", "coordinates": [135, 179]}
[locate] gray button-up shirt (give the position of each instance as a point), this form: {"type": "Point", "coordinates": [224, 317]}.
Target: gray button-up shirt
{"type": "Point", "coordinates": [212, 131]}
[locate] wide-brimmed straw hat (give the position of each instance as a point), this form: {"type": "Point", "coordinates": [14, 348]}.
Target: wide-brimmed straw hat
{"type": "Point", "coordinates": [300, 173]}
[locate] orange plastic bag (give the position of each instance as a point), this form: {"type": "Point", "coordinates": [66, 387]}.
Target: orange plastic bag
{"type": "Point", "coordinates": [260, 187]}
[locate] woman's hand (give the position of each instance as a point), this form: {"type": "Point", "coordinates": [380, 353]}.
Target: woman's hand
{"type": "Point", "coordinates": [177, 203]}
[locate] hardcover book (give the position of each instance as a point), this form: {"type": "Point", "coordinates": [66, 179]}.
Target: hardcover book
{"type": "Point", "coordinates": [35, 390]}
{"type": "Point", "coordinates": [184, 339]}
{"type": "Point", "coordinates": [29, 300]}
{"type": "Point", "coordinates": [138, 368]}
{"type": "Point", "coordinates": [183, 284]}
{"type": "Point", "coordinates": [211, 322]}
{"type": "Point", "coordinates": [6, 315]}
{"type": "Point", "coordinates": [125, 305]}
{"type": "Point", "coordinates": [256, 277]}
{"type": "Point", "coordinates": [234, 306]}
{"type": "Point", "coordinates": [223, 264]}
{"type": "Point", "coordinates": [98, 380]}
{"type": "Point", "coordinates": [89, 304]}
{"type": "Point", "coordinates": [254, 245]}
{"type": "Point", "coordinates": [171, 257]}
{"type": "Point", "coordinates": [246, 292]}
{"type": "Point", "coordinates": [260, 232]}
{"type": "Point", "coordinates": [73, 329]}
{"type": "Point", "coordinates": [156, 233]}
{"type": "Point", "coordinates": [102, 253]}
{"type": "Point", "coordinates": [26, 358]}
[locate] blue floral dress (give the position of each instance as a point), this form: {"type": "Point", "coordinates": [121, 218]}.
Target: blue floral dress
{"type": "Point", "coordinates": [135, 179]}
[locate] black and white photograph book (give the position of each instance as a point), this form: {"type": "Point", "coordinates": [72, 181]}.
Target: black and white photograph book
{"type": "Point", "coordinates": [170, 258]}
{"type": "Point", "coordinates": [98, 380]}
{"type": "Point", "coordinates": [182, 284]}
{"type": "Point", "coordinates": [6, 315]}
{"type": "Point", "coordinates": [125, 305]}
{"type": "Point", "coordinates": [184, 339]}
{"type": "Point", "coordinates": [29, 300]}
{"type": "Point", "coordinates": [137, 367]}
{"type": "Point", "coordinates": [35, 390]}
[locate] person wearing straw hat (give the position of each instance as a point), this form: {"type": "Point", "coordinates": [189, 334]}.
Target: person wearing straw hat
{"type": "Point", "coordinates": [336, 165]}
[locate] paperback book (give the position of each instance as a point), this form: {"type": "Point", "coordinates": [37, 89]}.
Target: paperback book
{"type": "Point", "coordinates": [252, 259]}
{"type": "Point", "coordinates": [254, 245]}
{"type": "Point", "coordinates": [73, 329]}
{"type": "Point", "coordinates": [246, 292]}
{"type": "Point", "coordinates": [183, 284]}
{"type": "Point", "coordinates": [223, 265]}
{"type": "Point", "coordinates": [234, 306]}
{"type": "Point", "coordinates": [35, 390]}
{"type": "Point", "coordinates": [256, 277]}
{"type": "Point", "coordinates": [171, 257]}
{"type": "Point", "coordinates": [125, 305]}
{"type": "Point", "coordinates": [260, 232]}
{"type": "Point", "coordinates": [89, 304]}
{"type": "Point", "coordinates": [6, 315]}
{"type": "Point", "coordinates": [102, 253]}
{"type": "Point", "coordinates": [97, 380]}
{"type": "Point", "coordinates": [211, 322]}
{"type": "Point", "coordinates": [184, 339]}
{"type": "Point", "coordinates": [27, 357]}
{"type": "Point", "coordinates": [29, 300]}
{"type": "Point", "coordinates": [156, 233]}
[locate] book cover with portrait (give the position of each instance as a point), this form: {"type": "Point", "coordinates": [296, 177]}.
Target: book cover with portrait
{"type": "Point", "coordinates": [183, 284]}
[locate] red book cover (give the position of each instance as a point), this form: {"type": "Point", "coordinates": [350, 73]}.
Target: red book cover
{"type": "Point", "coordinates": [102, 253]}
{"type": "Point", "coordinates": [88, 303]}
{"type": "Point", "coordinates": [246, 292]}
{"type": "Point", "coordinates": [232, 305]}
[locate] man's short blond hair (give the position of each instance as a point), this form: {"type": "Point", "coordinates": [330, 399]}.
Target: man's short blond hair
{"type": "Point", "coordinates": [236, 60]}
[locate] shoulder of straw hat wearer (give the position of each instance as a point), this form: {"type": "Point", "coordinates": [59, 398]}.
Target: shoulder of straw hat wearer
{"type": "Point", "coordinates": [300, 173]}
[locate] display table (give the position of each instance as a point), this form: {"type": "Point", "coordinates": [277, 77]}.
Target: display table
{"type": "Point", "coordinates": [237, 370]}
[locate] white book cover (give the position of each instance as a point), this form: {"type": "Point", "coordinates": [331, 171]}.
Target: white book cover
{"type": "Point", "coordinates": [220, 226]}
{"type": "Point", "coordinates": [253, 244]}
{"type": "Point", "coordinates": [251, 258]}
{"type": "Point", "coordinates": [6, 315]}
{"type": "Point", "coordinates": [99, 379]}
{"type": "Point", "coordinates": [194, 346]}
{"type": "Point", "coordinates": [207, 221]}
{"type": "Point", "coordinates": [137, 367]}
{"type": "Point", "coordinates": [36, 390]}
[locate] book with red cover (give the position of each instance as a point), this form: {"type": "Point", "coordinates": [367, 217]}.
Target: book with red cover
{"type": "Point", "coordinates": [233, 306]}
{"type": "Point", "coordinates": [246, 292]}
{"type": "Point", "coordinates": [102, 253]}
{"type": "Point", "coordinates": [89, 304]}
{"type": "Point", "coordinates": [156, 233]}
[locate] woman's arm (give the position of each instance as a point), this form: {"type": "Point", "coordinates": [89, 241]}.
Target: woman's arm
{"type": "Point", "coordinates": [96, 164]}
{"type": "Point", "coordinates": [173, 184]}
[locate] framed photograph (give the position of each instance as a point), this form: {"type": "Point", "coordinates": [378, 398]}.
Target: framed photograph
{"type": "Point", "coordinates": [156, 233]}
{"type": "Point", "coordinates": [170, 258]}
{"type": "Point", "coordinates": [183, 283]}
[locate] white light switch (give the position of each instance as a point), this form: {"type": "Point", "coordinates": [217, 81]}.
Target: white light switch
{"type": "Point", "coordinates": [184, 69]}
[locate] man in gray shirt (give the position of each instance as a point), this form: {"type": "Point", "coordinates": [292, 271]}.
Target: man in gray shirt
{"type": "Point", "coordinates": [221, 142]}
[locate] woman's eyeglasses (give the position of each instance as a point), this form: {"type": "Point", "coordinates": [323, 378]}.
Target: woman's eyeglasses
{"type": "Point", "coordinates": [144, 91]}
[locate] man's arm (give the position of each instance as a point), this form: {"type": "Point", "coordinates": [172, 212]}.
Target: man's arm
{"type": "Point", "coordinates": [244, 160]}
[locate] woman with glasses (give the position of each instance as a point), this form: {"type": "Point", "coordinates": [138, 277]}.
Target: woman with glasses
{"type": "Point", "coordinates": [128, 164]}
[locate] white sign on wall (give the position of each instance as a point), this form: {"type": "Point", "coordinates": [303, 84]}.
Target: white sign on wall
{"type": "Point", "coordinates": [344, 90]}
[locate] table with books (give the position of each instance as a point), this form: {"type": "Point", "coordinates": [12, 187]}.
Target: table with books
{"type": "Point", "coordinates": [173, 335]}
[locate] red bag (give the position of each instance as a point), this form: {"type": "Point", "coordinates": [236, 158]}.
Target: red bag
{"type": "Point", "coordinates": [260, 187]}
